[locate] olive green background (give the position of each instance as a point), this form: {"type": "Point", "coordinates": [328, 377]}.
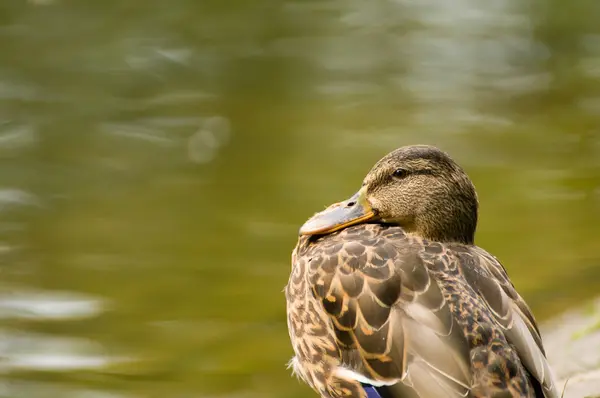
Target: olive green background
{"type": "Point", "coordinates": [157, 159]}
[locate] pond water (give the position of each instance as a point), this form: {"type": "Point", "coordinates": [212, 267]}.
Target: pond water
{"type": "Point", "coordinates": [157, 159]}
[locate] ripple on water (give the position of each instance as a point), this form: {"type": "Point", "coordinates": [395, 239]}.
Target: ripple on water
{"type": "Point", "coordinates": [40, 352]}
{"type": "Point", "coordinates": [49, 305]}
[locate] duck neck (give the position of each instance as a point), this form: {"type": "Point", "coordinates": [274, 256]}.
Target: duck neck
{"type": "Point", "coordinates": [452, 224]}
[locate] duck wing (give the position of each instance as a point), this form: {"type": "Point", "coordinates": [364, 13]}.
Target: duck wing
{"type": "Point", "coordinates": [392, 323]}
{"type": "Point", "coordinates": [489, 278]}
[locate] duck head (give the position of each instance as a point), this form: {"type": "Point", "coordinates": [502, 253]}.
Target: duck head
{"type": "Point", "coordinates": [419, 188]}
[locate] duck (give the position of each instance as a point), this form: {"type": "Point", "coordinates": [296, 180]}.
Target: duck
{"type": "Point", "coordinates": [389, 297]}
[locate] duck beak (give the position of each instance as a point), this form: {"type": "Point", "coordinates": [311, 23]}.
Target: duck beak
{"type": "Point", "coordinates": [340, 215]}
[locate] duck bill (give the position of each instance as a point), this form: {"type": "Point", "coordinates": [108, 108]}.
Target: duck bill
{"type": "Point", "coordinates": [352, 211]}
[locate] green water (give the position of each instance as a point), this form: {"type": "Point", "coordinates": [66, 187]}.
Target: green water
{"type": "Point", "coordinates": [157, 159]}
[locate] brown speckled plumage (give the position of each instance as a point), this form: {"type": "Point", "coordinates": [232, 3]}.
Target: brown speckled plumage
{"type": "Point", "coordinates": [397, 305]}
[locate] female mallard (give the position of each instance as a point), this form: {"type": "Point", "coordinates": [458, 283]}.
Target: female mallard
{"type": "Point", "coordinates": [389, 297]}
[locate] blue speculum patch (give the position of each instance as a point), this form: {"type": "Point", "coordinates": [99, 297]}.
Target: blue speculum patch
{"type": "Point", "coordinates": [371, 391]}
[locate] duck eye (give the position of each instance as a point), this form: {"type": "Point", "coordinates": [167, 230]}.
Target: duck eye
{"type": "Point", "coordinates": [400, 173]}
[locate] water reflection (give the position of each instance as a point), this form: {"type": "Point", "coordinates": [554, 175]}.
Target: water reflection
{"type": "Point", "coordinates": [25, 352]}
{"type": "Point", "coordinates": [156, 161]}
{"type": "Point", "coordinates": [205, 143]}
{"type": "Point", "coordinates": [48, 305]}
{"type": "Point", "coordinates": [39, 352]}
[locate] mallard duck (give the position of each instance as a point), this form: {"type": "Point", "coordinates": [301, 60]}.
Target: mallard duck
{"type": "Point", "coordinates": [389, 296]}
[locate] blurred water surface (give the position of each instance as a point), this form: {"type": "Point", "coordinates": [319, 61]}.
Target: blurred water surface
{"type": "Point", "coordinates": [157, 158]}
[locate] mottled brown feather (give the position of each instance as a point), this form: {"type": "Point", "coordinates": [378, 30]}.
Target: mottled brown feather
{"type": "Point", "coordinates": [440, 322]}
